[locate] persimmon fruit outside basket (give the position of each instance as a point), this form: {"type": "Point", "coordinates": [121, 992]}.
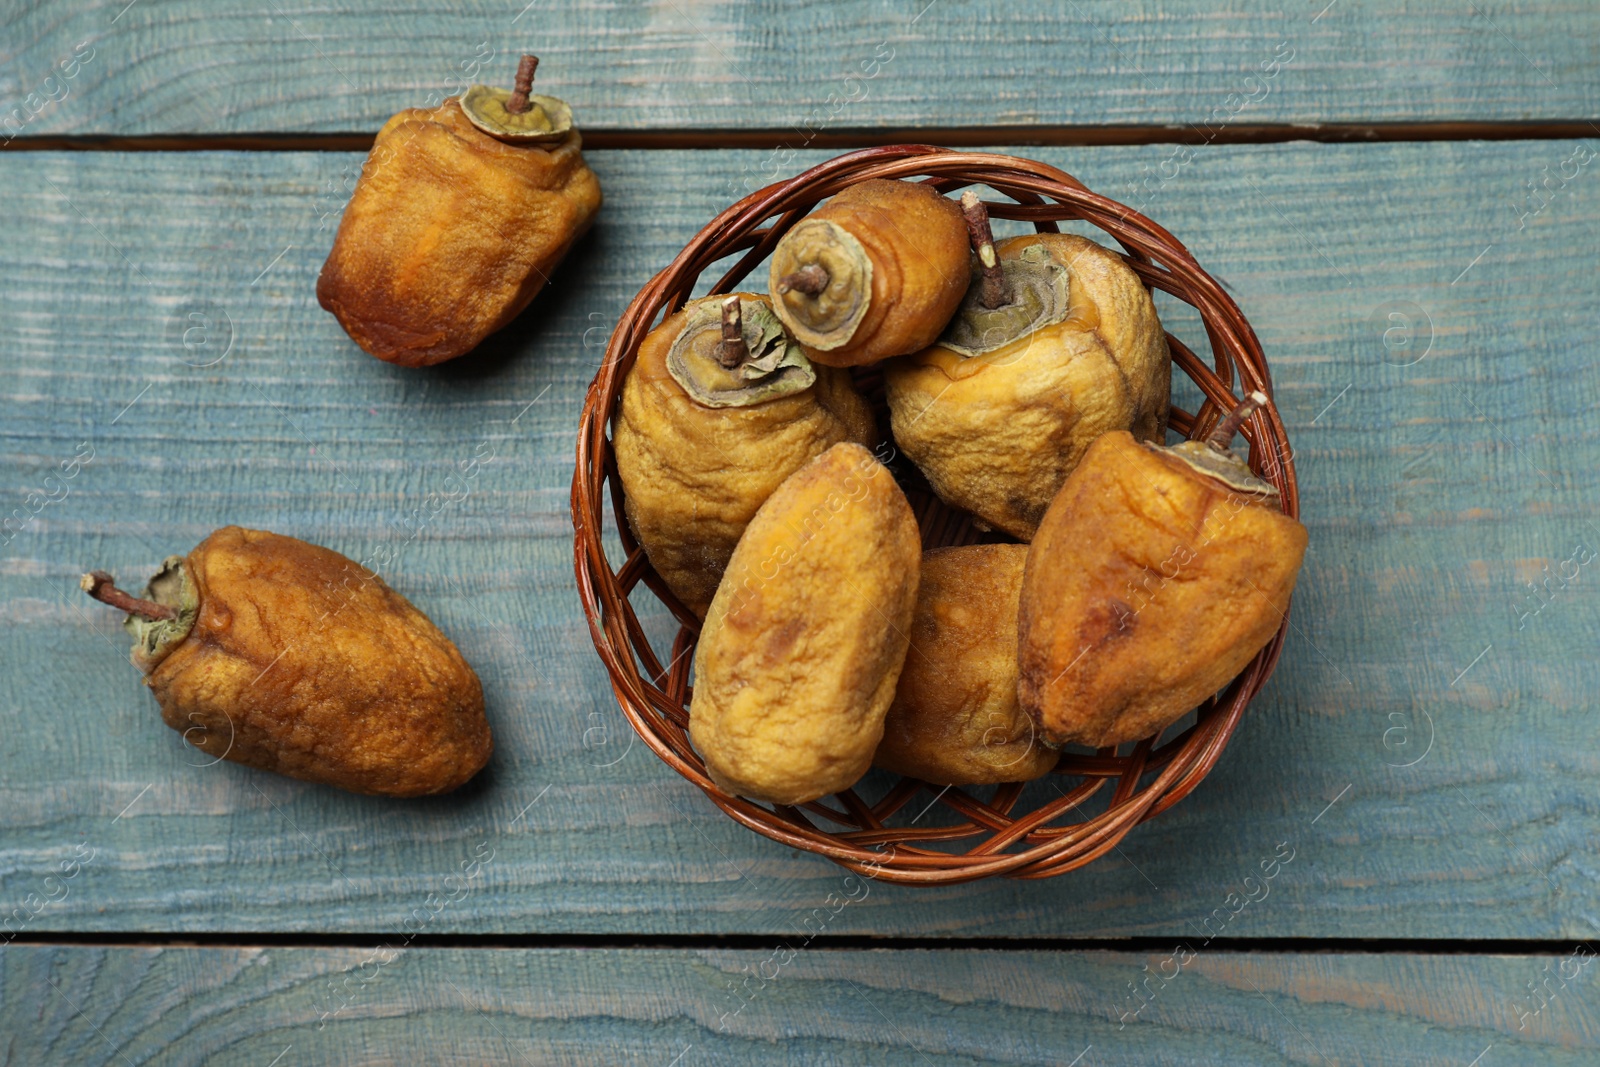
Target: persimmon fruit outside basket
{"type": "Point", "coordinates": [990, 837]}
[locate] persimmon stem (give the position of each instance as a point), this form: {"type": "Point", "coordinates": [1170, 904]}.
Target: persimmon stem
{"type": "Point", "coordinates": [102, 587]}
{"type": "Point", "coordinates": [994, 290]}
{"type": "Point", "coordinates": [1221, 437]}
{"type": "Point", "coordinates": [523, 85]}
{"type": "Point", "coordinates": [732, 351]}
{"type": "Point", "coordinates": [810, 280]}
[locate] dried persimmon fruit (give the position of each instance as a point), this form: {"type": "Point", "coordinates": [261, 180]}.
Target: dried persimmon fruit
{"type": "Point", "coordinates": [719, 408]}
{"type": "Point", "coordinates": [875, 272]}
{"type": "Point", "coordinates": [955, 719]}
{"type": "Point", "coordinates": [805, 640]}
{"type": "Point", "coordinates": [1156, 576]}
{"type": "Point", "coordinates": [283, 655]}
{"type": "Point", "coordinates": [1056, 343]}
{"type": "Point", "coordinates": [460, 214]}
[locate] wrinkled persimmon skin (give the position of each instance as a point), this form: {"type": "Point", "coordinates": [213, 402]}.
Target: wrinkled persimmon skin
{"type": "Point", "coordinates": [304, 663]}
{"type": "Point", "coordinates": [917, 242]}
{"type": "Point", "coordinates": [1148, 589]}
{"type": "Point", "coordinates": [450, 233]}
{"type": "Point", "coordinates": [997, 434]}
{"type": "Point", "coordinates": [955, 719]}
{"type": "Point", "coordinates": [800, 652]}
{"type": "Point", "coordinates": [693, 477]}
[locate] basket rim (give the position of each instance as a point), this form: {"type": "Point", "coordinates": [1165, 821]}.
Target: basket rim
{"type": "Point", "coordinates": [654, 700]}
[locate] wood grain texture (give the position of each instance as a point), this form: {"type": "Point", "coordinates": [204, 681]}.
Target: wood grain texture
{"type": "Point", "coordinates": [1435, 492]}
{"type": "Point", "coordinates": [288, 1007]}
{"type": "Point", "coordinates": [200, 66]}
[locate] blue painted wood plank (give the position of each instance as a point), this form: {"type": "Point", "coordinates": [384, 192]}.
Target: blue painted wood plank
{"type": "Point", "coordinates": [203, 66]}
{"type": "Point", "coordinates": [1425, 745]}
{"type": "Point", "coordinates": [789, 1004]}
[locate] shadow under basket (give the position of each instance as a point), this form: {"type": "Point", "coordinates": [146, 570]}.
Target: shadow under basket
{"type": "Point", "coordinates": [956, 834]}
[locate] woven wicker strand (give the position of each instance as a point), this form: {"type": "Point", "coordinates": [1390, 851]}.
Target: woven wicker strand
{"type": "Point", "coordinates": [994, 838]}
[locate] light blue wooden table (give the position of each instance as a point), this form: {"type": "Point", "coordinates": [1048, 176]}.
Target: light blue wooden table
{"type": "Point", "coordinates": [1407, 209]}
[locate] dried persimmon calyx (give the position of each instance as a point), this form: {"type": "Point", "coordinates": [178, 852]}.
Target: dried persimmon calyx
{"type": "Point", "coordinates": [770, 365]}
{"type": "Point", "coordinates": [1040, 295]}
{"type": "Point", "coordinates": [1213, 458]}
{"type": "Point", "coordinates": [548, 119]}
{"type": "Point", "coordinates": [1225, 466]}
{"type": "Point", "coordinates": [172, 587]}
{"type": "Point", "coordinates": [825, 263]}
{"type": "Point", "coordinates": [514, 115]}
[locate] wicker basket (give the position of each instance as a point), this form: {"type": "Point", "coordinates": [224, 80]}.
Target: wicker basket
{"type": "Point", "coordinates": [988, 836]}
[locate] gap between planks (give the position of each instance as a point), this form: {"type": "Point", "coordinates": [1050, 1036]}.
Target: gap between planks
{"type": "Point", "coordinates": [823, 942]}
{"type": "Point", "coordinates": [949, 137]}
